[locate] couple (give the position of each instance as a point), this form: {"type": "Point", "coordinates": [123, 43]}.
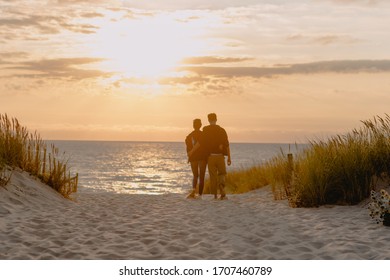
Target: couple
{"type": "Point", "coordinates": [208, 147]}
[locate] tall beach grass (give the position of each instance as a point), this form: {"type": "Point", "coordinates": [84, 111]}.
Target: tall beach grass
{"type": "Point", "coordinates": [340, 170]}
{"type": "Point", "coordinates": [21, 149]}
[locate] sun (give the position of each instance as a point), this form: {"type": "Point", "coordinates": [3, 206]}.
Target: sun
{"type": "Point", "coordinates": [147, 47]}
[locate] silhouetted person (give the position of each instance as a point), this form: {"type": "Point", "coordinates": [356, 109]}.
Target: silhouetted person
{"type": "Point", "coordinates": [198, 158]}
{"type": "Point", "coordinates": [216, 141]}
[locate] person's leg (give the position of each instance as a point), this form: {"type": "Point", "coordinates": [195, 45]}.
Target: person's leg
{"type": "Point", "coordinates": [202, 173]}
{"type": "Point", "coordinates": [195, 175]}
{"type": "Point", "coordinates": [221, 185]}
{"type": "Point", "coordinates": [221, 176]}
{"type": "Point", "coordinates": [213, 172]}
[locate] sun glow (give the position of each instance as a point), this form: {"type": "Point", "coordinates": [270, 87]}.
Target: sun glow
{"type": "Point", "coordinates": [146, 47]}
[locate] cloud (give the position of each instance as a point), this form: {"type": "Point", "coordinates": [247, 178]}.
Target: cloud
{"type": "Point", "coordinates": [63, 68]}
{"type": "Point", "coordinates": [211, 80]}
{"type": "Point", "coordinates": [89, 2]}
{"type": "Point", "coordinates": [7, 57]}
{"type": "Point", "coordinates": [213, 59]}
{"type": "Point", "coordinates": [188, 5]}
{"type": "Point", "coordinates": [13, 55]}
{"type": "Point", "coordinates": [184, 80]}
{"type": "Point", "coordinates": [370, 2]}
{"type": "Point", "coordinates": [46, 24]}
{"type": "Point", "coordinates": [342, 66]}
{"type": "Point", "coordinates": [326, 39]}
{"type": "Point", "coordinates": [92, 15]}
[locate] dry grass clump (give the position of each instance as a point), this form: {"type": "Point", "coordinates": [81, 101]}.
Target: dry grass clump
{"type": "Point", "coordinates": [341, 170]}
{"type": "Point", "coordinates": [276, 172]}
{"type": "Point", "coordinates": [241, 181]}
{"type": "Point", "coordinates": [27, 151]}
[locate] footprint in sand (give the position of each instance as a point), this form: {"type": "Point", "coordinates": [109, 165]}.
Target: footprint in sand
{"type": "Point", "coordinates": [4, 211]}
{"type": "Point", "coordinates": [148, 241]}
{"type": "Point", "coordinates": [15, 201]}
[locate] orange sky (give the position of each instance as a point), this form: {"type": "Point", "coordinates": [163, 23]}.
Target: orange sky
{"type": "Point", "coordinates": [273, 71]}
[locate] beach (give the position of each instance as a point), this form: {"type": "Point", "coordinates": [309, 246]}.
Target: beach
{"type": "Point", "coordinates": [38, 223]}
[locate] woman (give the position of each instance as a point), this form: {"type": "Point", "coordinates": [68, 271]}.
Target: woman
{"type": "Point", "coordinates": [197, 157]}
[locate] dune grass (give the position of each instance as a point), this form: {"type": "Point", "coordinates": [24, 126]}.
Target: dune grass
{"type": "Point", "coordinates": [21, 149]}
{"type": "Point", "coordinates": [245, 180]}
{"type": "Point", "coordinates": [341, 170]}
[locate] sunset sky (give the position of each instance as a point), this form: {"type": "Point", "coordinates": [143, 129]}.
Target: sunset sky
{"type": "Point", "coordinates": [272, 70]}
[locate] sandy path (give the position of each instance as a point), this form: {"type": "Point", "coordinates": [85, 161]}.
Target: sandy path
{"type": "Point", "coordinates": [36, 223]}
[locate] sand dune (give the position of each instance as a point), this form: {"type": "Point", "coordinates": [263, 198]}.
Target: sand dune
{"type": "Point", "coordinates": [37, 223]}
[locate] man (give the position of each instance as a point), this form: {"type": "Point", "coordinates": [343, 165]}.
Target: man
{"type": "Point", "coordinates": [216, 142]}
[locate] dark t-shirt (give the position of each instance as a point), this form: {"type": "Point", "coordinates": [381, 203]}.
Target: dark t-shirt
{"type": "Point", "coordinates": [215, 139]}
{"type": "Point", "coordinates": [191, 140]}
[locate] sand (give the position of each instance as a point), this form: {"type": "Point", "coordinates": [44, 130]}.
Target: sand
{"type": "Point", "coordinates": [37, 223]}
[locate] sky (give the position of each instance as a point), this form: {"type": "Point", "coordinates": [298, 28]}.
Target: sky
{"type": "Point", "coordinates": [272, 70]}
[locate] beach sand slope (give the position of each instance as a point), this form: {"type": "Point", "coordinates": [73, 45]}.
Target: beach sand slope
{"type": "Point", "coordinates": [37, 223]}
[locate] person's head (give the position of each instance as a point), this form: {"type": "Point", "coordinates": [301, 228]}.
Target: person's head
{"type": "Point", "coordinates": [212, 117]}
{"type": "Point", "coordinates": [197, 124]}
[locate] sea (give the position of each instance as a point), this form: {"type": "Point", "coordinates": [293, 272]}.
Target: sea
{"type": "Point", "coordinates": [150, 167]}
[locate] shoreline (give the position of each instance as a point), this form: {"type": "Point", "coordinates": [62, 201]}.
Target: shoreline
{"type": "Point", "coordinates": [38, 223]}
